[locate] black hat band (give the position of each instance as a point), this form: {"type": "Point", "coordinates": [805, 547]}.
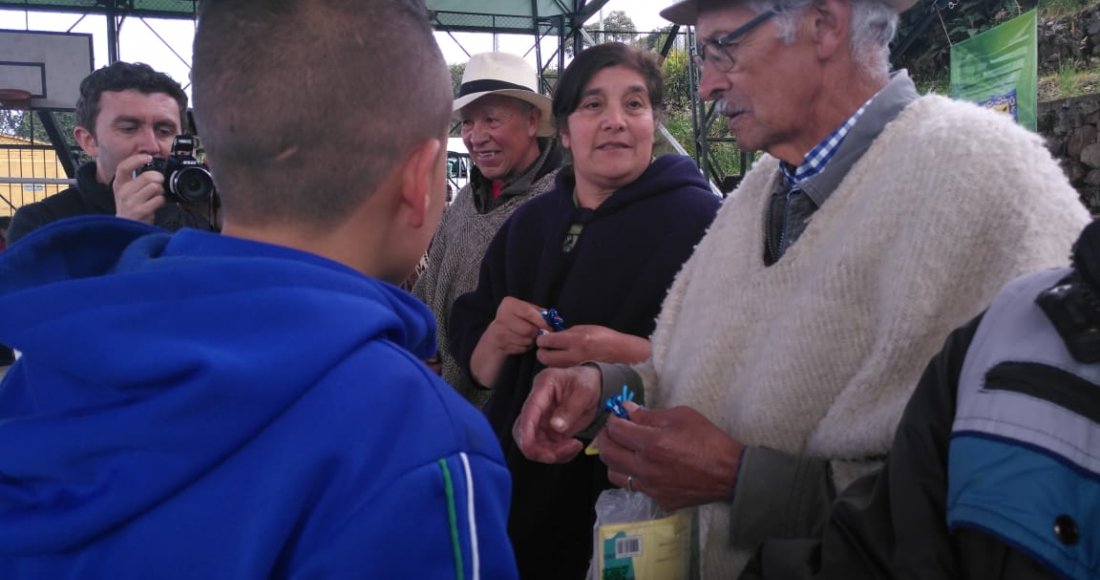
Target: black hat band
{"type": "Point", "coordinates": [487, 85]}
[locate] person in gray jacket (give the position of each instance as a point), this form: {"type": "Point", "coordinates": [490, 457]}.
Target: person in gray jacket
{"type": "Point", "coordinates": [506, 127]}
{"type": "Point", "coordinates": [993, 472]}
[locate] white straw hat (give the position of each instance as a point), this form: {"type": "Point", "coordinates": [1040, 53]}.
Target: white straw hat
{"type": "Point", "coordinates": [500, 73]}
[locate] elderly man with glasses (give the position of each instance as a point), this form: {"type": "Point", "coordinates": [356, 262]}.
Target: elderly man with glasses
{"type": "Point", "coordinates": [876, 221]}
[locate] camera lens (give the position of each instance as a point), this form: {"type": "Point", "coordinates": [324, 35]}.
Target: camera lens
{"type": "Point", "coordinates": [192, 184]}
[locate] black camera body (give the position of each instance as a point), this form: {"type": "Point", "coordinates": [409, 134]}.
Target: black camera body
{"type": "Point", "coordinates": [185, 179]}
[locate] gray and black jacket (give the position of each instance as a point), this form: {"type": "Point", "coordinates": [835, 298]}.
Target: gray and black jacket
{"type": "Point", "coordinates": [995, 469]}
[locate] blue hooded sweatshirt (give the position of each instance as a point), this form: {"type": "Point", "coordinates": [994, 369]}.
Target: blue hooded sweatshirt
{"type": "Point", "coordinates": [200, 406]}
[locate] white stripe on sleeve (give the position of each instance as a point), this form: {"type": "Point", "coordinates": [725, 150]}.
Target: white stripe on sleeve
{"type": "Point", "coordinates": [475, 559]}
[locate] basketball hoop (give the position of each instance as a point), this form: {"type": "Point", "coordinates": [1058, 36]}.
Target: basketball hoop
{"type": "Point", "coordinates": [17, 99]}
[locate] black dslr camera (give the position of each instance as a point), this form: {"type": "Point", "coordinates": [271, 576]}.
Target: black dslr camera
{"type": "Point", "coordinates": [185, 179]}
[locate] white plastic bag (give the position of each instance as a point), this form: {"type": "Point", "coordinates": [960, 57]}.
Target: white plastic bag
{"type": "Point", "coordinates": [634, 540]}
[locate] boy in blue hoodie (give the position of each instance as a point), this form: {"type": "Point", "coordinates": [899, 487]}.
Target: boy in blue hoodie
{"type": "Point", "coordinates": [253, 404]}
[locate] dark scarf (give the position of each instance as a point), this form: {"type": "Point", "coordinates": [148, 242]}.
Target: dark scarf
{"type": "Point", "coordinates": [482, 188]}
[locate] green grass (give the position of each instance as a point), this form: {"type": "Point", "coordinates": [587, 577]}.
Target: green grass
{"type": "Point", "coordinates": [1066, 80]}
{"type": "Point", "coordinates": [1069, 82]}
{"type": "Point", "coordinates": [1062, 7]}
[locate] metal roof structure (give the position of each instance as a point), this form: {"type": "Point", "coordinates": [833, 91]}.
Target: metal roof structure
{"type": "Point", "coordinates": [467, 15]}
{"type": "Point", "coordinates": [543, 19]}
{"type": "Point", "coordinates": [561, 18]}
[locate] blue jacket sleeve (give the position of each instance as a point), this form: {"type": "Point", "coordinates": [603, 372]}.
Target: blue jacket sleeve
{"type": "Point", "coordinates": [446, 519]}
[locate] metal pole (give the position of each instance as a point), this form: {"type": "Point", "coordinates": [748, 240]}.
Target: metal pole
{"type": "Point", "coordinates": [561, 45]}
{"type": "Point", "coordinates": [698, 107]}
{"type": "Point", "coordinates": [112, 32]}
{"type": "Point", "coordinates": [37, 181]}
{"type": "Point", "coordinates": [578, 32]}
{"type": "Point", "coordinates": [60, 143]}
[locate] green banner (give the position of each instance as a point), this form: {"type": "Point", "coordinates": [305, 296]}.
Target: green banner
{"type": "Point", "coordinates": [999, 69]}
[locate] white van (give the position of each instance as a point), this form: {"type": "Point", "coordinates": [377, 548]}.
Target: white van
{"type": "Point", "coordinates": [458, 166]}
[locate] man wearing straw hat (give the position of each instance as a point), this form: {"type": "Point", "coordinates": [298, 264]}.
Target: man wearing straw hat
{"type": "Point", "coordinates": [785, 352]}
{"type": "Point", "coordinates": [506, 125]}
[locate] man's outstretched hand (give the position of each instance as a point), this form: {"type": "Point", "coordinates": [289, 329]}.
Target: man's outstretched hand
{"type": "Point", "coordinates": [562, 403]}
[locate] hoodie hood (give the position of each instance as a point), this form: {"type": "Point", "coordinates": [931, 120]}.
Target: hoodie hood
{"type": "Point", "coordinates": [665, 173]}
{"type": "Point", "coordinates": [130, 337]}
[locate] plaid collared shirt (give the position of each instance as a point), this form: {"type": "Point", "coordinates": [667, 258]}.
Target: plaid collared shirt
{"type": "Point", "coordinates": [820, 155]}
{"type": "Point", "coordinates": [790, 207]}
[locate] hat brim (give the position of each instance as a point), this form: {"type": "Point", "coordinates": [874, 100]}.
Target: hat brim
{"type": "Point", "coordinates": [541, 102]}
{"type": "Point", "coordinates": [686, 12]}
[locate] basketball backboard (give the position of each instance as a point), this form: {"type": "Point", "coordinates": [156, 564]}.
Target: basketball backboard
{"type": "Point", "coordinates": [49, 65]}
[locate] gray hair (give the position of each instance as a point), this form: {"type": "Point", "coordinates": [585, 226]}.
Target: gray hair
{"type": "Point", "coordinates": [873, 25]}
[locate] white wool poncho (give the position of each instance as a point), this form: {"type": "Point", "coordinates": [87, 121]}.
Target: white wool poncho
{"type": "Point", "coordinates": [819, 353]}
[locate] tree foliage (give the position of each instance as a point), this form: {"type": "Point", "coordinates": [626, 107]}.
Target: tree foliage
{"type": "Point", "coordinates": [616, 27]}
{"type": "Point", "coordinates": [928, 30]}
{"type": "Point", "coordinates": [457, 70]}
{"type": "Point", "coordinates": [677, 80]}
{"type": "Point", "coordinates": [656, 39]}
{"type": "Point", "coordinates": [27, 125]}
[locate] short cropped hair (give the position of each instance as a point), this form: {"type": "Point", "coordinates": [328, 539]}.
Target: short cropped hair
{"type": "Point", "coordinates": [570, 89]}
{"type": "Point", "coordinates": [124, 76]}
{"type": "Point", "coordinates": [307, 105]}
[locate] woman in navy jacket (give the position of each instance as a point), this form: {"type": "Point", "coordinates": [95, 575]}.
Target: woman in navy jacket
{"type": "Point", "coordinates": [601, 249]}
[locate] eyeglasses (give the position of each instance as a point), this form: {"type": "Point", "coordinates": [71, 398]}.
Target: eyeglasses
{"type": "Point", "coordinates": [716, 53]}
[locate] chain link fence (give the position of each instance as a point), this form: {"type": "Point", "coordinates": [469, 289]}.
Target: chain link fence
{"type": "Point", "coordinates": [28, 173]}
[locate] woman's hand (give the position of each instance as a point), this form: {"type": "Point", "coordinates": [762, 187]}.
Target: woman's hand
{"type": "Point", "coordinates": [513, 331]}
{"type": "Point", "coordinates": [589, 342]}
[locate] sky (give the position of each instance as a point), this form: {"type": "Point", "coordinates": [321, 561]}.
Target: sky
{"type": "Point", "coordinates": [140, 43]}
{"type": "Point", "coordinates": [644, 13]}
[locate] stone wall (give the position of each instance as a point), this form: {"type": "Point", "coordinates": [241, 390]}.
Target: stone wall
{"type": "Point", "coordinates": [1070, 127]}
{"type": "Point", "coordinates": [1069, 41]}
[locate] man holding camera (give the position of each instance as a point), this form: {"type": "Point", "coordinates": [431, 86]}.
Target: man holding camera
{"type": "Point", "coordinates": [126, 115]}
